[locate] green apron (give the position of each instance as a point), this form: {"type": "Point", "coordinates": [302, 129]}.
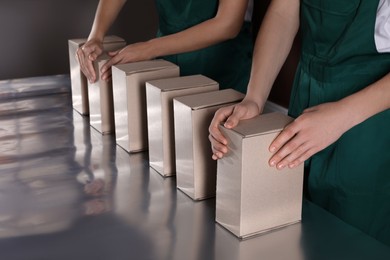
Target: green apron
{"type": "Point", "coordinates": [350, 178]}
{"type": "Point", "coordinates": [228, 63]}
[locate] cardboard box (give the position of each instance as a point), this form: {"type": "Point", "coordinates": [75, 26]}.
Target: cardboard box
{"type": "Point", "coordinates": [195, 169]}
{"type": "Point", "coordinates": [160, 95]}
{"type": "Point", "coordinates": [101, 105]}
{"type": "Point", "coordinates": [253, 197]}
{"type": "Point", "coordinates": [130, 100]}
{"type": "Point", "coordinates": [78, 80]}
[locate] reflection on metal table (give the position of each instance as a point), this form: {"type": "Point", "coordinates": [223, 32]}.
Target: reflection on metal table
{"type": "Point", "coordinates": [67, 192]}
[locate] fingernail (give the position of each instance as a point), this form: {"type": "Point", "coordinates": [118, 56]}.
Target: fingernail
{"type": "Point", "coordinates": [272, 163]}
{"type": "Point", "coordinates": [281, 166]}
{"type": "Point", "coordinates": [291, 165]}
{"type": "Point", "coordinates": [272, 149]}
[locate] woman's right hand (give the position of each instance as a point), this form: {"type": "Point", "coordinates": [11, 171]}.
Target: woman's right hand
{"type": "Point", "coordinates": [88, 53]}
{"type": "Point", "coordinates": [231, 115]}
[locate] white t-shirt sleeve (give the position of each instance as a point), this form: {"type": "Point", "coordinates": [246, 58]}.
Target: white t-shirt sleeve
{"type": "Point", "coordinates": [382, 27]}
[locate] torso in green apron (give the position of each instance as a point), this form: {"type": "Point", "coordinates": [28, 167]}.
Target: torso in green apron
{"type": "Point", "coordinates": [228, 63]}
{"type": "Point", "coordinates": [350, 178]}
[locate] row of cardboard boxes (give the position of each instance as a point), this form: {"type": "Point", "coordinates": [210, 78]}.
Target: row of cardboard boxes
{"type": "Point", "coordinates": [148, 106]}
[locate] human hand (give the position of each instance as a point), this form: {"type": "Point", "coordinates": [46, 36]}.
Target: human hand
{"type": "Point", "coordinates": [96, 207]}
{"type": "Point", "coordinates": [95, 187]}
{"type": "Point", "coordinates": [86, 54]}
{"type": "Point", "coordinates": [314, 130]}
{"type": "Point", "coordinates": [131, 53]}
{"type": "Point", "coordinates": [232, 114]}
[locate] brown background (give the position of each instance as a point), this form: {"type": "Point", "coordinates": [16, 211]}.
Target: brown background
{"type": "Point", "coordinates": [34, 36]}
{"type": "Point", "coordinates": [35, 33]}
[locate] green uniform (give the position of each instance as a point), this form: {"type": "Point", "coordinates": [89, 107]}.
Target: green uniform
{"type": "Point", "coordinates": [340, 56]}
{"type": "Point", "coordinates": [228, 63]}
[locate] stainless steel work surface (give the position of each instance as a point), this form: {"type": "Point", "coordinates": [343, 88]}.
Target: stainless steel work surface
{"type": "Point", "coordinates": [35, 86]}
{"type": "Point", "coordinates": [67, 192]}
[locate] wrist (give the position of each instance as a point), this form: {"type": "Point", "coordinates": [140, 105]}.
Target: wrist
{"type": "Point", "coordinates": [95, 36]}
{"type": "Point", "coordinates": [254, 103]}
{"type": "Point", "coordinates": [154, 48]}
{"type": "Point", "coordinates": [367, 102]}
{"type": "Point", "coordinates": [350, 114]}
{"type": "Point", "coordinates": [256, 100]}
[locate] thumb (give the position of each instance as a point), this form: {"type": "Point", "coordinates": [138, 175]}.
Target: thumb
{"type": "Point", "coordinates": [238, 114]}
{"type": "Point", "coordinates": [113, 53]}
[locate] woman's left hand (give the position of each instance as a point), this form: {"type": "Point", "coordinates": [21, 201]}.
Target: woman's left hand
{"type": "Point", "coordinates": [314, 130]}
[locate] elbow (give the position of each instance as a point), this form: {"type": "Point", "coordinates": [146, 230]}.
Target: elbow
{"type": "Point", "coordinates": [230, 31]}
{"type": "Point", "coordinates": [233, 33]}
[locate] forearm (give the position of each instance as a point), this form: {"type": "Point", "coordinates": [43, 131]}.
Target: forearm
{"type": "Point", "coordinates": [273, 44]}
{"type": "Point", "coordinates": [225, 25]}
{"type": "Point", "coordinates": [106, 14]}
{"type": "Point", "coordinates": [366, 103]}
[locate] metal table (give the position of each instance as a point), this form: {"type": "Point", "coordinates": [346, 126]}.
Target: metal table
{"type": "Point", "coordinates": [67, 192]}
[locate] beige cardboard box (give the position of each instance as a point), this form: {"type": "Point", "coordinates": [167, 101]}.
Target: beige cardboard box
{"type": "Point", "coordinates": [79, 81]}
{"type": "Point", "coordinates": [130, 100]}
{"type": "Point", "coordinates": [101, 101]}
{"type": "Point", "coordinates": [159, 96]}
{"type": "Point", "coordinates": [195, 169]}
{"type": "Point", "coordinates": [253, 197]}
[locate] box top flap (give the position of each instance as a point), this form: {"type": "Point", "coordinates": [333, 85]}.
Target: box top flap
{"type": "Point", "coordinates": [144, 66]}
{"type": "Point", "coordinates": [103, 56]}
{"type": "Point", "coordinates": [177, 83]}
{"type": "Point", "coordinates": [263, 124]}
{"type": "Point", "coordinates": [210, 99]}
{"type": "Point", "coordinates": [107, 39]}
{"type": "Point", "coordinates": [112, 39]}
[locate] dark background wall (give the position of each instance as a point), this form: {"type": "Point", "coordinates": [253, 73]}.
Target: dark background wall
{"type": "Point", "coordinates": [34, 36]}
{"type": "Point", "coordinates": [34, 33]}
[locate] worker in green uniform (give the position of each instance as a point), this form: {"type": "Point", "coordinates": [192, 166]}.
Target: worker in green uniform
{"type": "Point", "coordinates": [208, 37]}
{"type": "Point", "coordinates": [340, 101]}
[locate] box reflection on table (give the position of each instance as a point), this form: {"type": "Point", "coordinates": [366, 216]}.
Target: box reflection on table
{"type": "Point", "coordinates": [281, 244]}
